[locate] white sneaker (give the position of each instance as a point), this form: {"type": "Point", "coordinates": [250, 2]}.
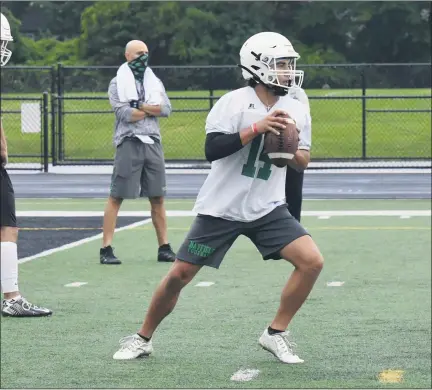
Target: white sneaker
{"type": "Point", "coordinates": [280, 346]}
{"type": "Point", "coordinates": [20, 307]}
{"type": "Point", "coordinates": [133, 347]}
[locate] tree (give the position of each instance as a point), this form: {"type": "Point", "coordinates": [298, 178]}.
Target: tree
{"type": "Point", "coordinates": [393, 32]}
{"type": "Point", "coordinates": [61, 19]}
{"type": "Point", "coordinates": [21, 47]}
{"type": "Point", "coordinates": [175, 32]}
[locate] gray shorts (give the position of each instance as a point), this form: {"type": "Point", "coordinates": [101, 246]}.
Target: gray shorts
{"type": "Point", "coordinates": [210, 238]}
{"type": "Point", "coordinates": [139, 170]}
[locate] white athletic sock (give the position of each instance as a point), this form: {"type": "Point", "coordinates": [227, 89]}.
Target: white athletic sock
{"type": "Point", "coordinates": [9, 267]}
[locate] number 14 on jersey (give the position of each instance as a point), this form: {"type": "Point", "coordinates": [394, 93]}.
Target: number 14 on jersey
{"type": "Point", "coordinates": [250, 168]}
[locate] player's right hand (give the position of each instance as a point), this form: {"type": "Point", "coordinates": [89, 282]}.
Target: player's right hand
{"type": "Point", "coordinates": [276, 120]}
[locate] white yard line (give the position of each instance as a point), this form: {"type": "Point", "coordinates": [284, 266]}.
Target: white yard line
{"type": "Point", "coordinates": [185, 213]}
{"type": "Point", "coordinates": [79, 242]}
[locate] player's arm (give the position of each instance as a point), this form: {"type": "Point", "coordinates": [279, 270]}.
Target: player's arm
{"type": "Point", "coordinates": [300, 161]}
{"type": "Point", "coordinates": [123, 110]}
{"type": "Point", "coordinates": [3, 145]}
{"type": "Point", "coordinates": [220, 144]}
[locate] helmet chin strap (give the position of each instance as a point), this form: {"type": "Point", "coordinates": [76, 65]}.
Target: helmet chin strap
{"type": "Point", "coordinates": [278, 91]}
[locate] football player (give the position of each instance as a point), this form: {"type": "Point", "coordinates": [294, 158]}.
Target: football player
{"type": "Point", "coordinates": [13, 305]}
{"type": "Point", "coordinates": [244, 194]}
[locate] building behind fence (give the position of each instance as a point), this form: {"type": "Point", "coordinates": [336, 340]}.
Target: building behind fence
{"type": "Point", "coordinates": [368, 113]}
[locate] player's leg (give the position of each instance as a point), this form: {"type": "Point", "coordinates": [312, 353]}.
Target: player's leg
{"type": "Point", "coordinates": [111, 211]}
{"type": "Point", "coordinates": [206, 244]}
{"type": "Point", "coordinates": [124, 185]}
{"type": "Point", "coordinates": [294, 192]}
{"type": "Point", "coordinates": [278, 235]}
{"type": "Point", "coordinates": [13, 305]}
{"type": "Point", "coordinates": [308, 261]}
{"type": "Point", "coordinates": [9, 260]}
{"type": "Point", "coordinates": [166, 295]}
{"type": "Point", "coordinates": [153, 185]}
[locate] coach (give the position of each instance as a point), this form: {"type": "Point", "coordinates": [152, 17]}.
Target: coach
{"type": "Point", "coordinates": [138, 98]}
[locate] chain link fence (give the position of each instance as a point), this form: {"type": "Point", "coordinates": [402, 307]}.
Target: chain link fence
{"type": "Point", "coordinates": [24, 80]}
{"type": "Point", "coordinates": [370, 113]}
{"type": "Point", "coordinates": [214, 78]}
{"type": "Point", "coordinates": [25, 121]}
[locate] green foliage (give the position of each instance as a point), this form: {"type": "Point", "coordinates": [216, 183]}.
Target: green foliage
{"type": "Point", "coordinates": [50, 51]}
{"type": "Point", "coordinates": [20, 47]}
{"type": "Point", "coordinates": [211, 33]}
{"type": "Point", "coordinates": [60, 19]}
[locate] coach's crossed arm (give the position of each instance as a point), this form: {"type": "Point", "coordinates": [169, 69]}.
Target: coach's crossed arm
{"type": "Point", "coordinates": [163, 110]}
{"type": "Point", "coordinates": [122, 110]}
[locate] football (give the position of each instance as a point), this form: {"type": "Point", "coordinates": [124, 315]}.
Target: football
{"type": "Point", "coordinates": [281, 148]}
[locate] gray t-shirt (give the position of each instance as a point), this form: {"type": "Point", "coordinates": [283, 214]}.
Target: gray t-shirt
{"type": "Point", "coordinates": [123, 112]}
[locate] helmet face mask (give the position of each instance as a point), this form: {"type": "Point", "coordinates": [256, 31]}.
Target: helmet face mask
{"type": "Point", "coordinates": [270, 59]}
{"type": "Point", "coordinates": [5, 53]}
{"type": "Point", "coordinates": [6, 37]}
{"type": "Point", "coordinates": [282, 72]}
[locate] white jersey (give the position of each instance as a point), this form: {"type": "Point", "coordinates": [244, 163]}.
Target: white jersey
{"type": "Point", "coordinates": [245, 186]}
{"type": "Point", "coordinates": [299, 94]}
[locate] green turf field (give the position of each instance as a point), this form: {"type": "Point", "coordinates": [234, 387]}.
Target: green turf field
{"type": "Point", "coordinates": [380, 319]}
{"type": "Point", "coordinates": [337, 126]}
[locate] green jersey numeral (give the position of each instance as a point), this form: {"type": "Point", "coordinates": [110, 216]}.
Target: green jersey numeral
{"type": "Point", "coordinates": [249, 169]}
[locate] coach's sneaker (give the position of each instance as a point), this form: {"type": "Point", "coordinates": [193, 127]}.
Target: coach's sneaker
{"type": "Point", "coordinates": [280, 346]}
{"type": "Point", "coordinates": [166, 254]}
{"type": "Point", "coordinates": [20, 307]}
{"type": "Point", "coordinates": [107, 256]}
{"type": "Point", "coordinates": [133, 347]}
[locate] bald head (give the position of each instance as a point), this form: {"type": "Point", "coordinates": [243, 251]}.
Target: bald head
{"type": "Point", "coordinates": [135, 49]}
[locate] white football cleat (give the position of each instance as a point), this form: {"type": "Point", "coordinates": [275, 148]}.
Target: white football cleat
{"type": "Point", "coordinates": [133, 347]}
{"type": "Point", "coordinates": [280, 346]}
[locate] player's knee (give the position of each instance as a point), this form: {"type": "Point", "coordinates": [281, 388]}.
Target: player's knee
{"type": "Point", "coordinates": [9, 234]}
{"type": "Point", "coordinates": [116, 201]}
{"type": "Point", "coordinates": [180, 275]}
{"type": "Point", "coordinates": [318, 262]}
{"type": "Point", "coordinates": [156, 201]}
{"type": "Point", "coordinates": [313, 262]}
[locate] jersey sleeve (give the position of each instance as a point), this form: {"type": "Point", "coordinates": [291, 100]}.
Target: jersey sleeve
{"type": "Point", "coordinates": [299, 94]}
{"type": "Point", "coordinates": [224, 117]}
{"type": "Point", "coordinates": [305, 136]}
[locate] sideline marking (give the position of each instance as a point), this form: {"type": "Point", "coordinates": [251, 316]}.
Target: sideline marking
{"type": "Point", "coordinates": [79, 242]}
{"type": "Point", "coordinates": [185, 213]}
{"type": "Point", "coordinates": [75, 284]}
{"type": "Point", "coordinates": [391, 376]}
{"type": "Point", "coordinates": [245, 375]}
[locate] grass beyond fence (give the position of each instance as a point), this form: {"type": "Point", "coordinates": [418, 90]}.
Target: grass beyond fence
{"type": "Point", "coordinates": [337, 126]}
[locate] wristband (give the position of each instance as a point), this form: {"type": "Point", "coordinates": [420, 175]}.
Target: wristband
{"type": "Point", "coordinates": [134, 104]}
{"type": "Point", "coordinates": [254, 128]}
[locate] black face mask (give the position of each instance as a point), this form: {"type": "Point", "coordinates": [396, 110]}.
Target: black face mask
{"type": "Point", "coordinates": [138, 66]}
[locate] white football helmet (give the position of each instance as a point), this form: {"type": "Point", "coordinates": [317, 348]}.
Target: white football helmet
{"type": "Point", "coordinates": [6, 37]}
{"type": "Point", "coordinates": [270, 58]}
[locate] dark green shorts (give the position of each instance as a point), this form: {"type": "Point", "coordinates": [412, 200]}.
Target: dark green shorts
{"type": "Point", "coordinates": [139, 170]}
{"type": "Point", "coordinates": [210, 238]}
{"type": "Point", "coordinates": [7, 214]}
